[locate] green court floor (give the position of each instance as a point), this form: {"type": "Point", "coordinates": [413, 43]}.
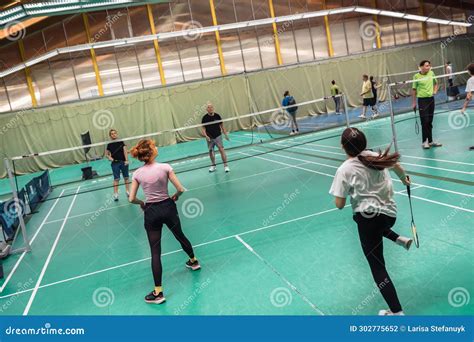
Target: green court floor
{"type": "Point", "coordinates": [267, 234]}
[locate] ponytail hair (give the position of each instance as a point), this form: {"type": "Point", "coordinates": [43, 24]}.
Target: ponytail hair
{"type": "Point", "coordinates": [144, 150]}
{"type": "Point", "coordinates": [354, 142]}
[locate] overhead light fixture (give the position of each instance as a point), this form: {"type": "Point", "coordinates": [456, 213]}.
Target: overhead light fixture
{"type": "Point", "coordinates": [438, 21]}
{"type": "Point", "coordinates": [108, 43]}
{"type": "Point", "coordinates": [75, 48]}
{"type": "Point", "coordinates": [341, 10]}
{"type": "Point", "coordinates": [392, 14]}
{"type": "Point", "coordinates": [367, 10]}
{"type": "Point", "coordinates": [460, 23]}
{"type": "Point", "coordinates": [415, 17]}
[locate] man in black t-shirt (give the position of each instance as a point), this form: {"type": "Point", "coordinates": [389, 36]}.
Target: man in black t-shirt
{"type": "Point", "coordinates": [213, 134]}
{"type": "Point", "coordinates": [118, 155]}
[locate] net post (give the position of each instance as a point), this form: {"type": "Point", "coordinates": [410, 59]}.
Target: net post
{"type": "Point", "coordinates": [392, 117]}
{"type": "Point", "coordinates": [346, 110]}
{"type": "Point", "coordinates": [443, 60]}
{"type": "Point", "coordinates": [18, 207]}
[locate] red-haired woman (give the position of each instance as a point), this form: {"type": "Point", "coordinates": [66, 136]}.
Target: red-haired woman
{"type": "Point", "coordinates": [159, 209]}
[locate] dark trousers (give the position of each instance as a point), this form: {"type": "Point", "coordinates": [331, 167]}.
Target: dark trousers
{"type": "Point", "coordinates": [157, 214]}
{"type": "Point", "coordinates": [337, 101]}
{"type": "Point", "coordinates": [426, 107]}
{"type": "Point", "coordinates": [372, 230]}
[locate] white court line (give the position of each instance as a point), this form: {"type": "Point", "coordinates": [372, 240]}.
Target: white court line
{"type": "Point", "coordinates": [343, 154]}
{"type": "Point", "coordinates": [274, 270]}
{"type": "Point", "coordinates": [332, 176]}
{"type": "Point", "coordinates": [176, 251]}
{"type": "Point", "coordinates": [43, 271]}
{"type": "Point", "coordinates": [31, 242]}
{"type": "Point", "coordinates": [394, 179]}
{"type": "Point", "coordinates": [441, 160]}
{"type": "Point", "coordinates": [188, 190]}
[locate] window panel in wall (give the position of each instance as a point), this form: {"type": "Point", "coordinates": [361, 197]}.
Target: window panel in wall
{"type": "Point", "coordinates": [386, 31]}
{"type": "Point", "coordinates": [118, 22]}
{"type": "Point", "coordinates": [34, 45]}
{"type": "Point", "coordinates": [261, 10]}
{"type": "Point", "coordinates": [458, 15]}
{"type": "Point", "coordinates": [109, 73]}
{"type": "Point", "coordinates": [189, 59]}
{"type": "Point", "coordinates": [100, 27]}
{"type": "Point", "coordinates": [267, 46]}
{"type": "Point", "coordinates": [54, 37]}
{"type": "Point", "coordinates": [170, 57]}
{"type": "Point", "coordinates": [63, 73]}
{"type": "Point", "coordinates": [4, 103]}
{"type": "Point", "coordinates": [338, 38]}
{"type": "Point", "coordinates": [232, 52]}
{"type": "Point", "coordinates": [201, 12]}
{"type": "Point", "coordinates": [250, 49]}
{"type": "Point", "coordinates": [85, 76]}
{"type": "Point", "coordinates": [318, 34]}
{"type": "Point", "coordinates": [209, 56]}
{"type": "Point", "coordinates": [128, 68]}
{"type": "Point", "coordinates": [43, 84]}
{"type": "Point", "coordinates": [225, 11]}
{"type": "Point", "coordinates": [148, 65]}
{"type": "Point", "coordinates": [354, 40]}
{"type": "Point", "coordinates": [445, 13]}
{"type": "Point", "coordinates": [75, 32]}
{"type": "Point", "coordinates": [139, 21]}
{"type": "Point", "coordinates": [18, 90]}
{"type": "Point", "coordinates": [162, 17]}
{"type": "Point", "coordinates": [401, 31]}
{"type": "Point", "coordinates": [303, 41]}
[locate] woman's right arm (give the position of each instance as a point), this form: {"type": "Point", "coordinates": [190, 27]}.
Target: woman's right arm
{"type": "Point", "coordinates": [400, 171]}
{"type": "Point", "coordinates": [177, 184]}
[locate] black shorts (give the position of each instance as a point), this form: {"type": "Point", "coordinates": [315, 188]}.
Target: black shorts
{"type": "Point", "coordinates": [369, 102]}
{"type": "Point", "coordinates": [159, 213]}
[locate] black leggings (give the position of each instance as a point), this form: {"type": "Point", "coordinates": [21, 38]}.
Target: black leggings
{"type": "Point", "coordinates": [427, 108]}
{"type": "Point", "coordinates": [371, 233]}
{"type": "Point", "coordinates": [155, 215]}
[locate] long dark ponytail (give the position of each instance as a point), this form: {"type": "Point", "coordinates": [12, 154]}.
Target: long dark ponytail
{"type": "Point", "coordinates": [354, 142]}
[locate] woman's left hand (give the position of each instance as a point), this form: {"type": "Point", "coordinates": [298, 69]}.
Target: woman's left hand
{"type": "Point", "coordinates": [175, 197]}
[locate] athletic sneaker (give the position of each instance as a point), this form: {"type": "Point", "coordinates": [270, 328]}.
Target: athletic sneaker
{"type": "Point", "coordinates": [362, 116]}
{"type": "Point", "coordinates": [435, 144]}
{"type": "Point", "coordinates": [212, 168]}
{"type": "Point", "coordinates": [338, 113]}
{"type": "Point", "coordinates": [292, 133]}
{"type": "Point", "coordinates": [193, 265]}
{"type": "Point", "coordinates": [152, 298]}
{"type": "Point", "coordinates": [376, 115]}
{"type": "Point", "coordinates": [404, 242]}
{"type": "Point", "coordinates": [426, 145]}
{"type": "Point", "coordinates": [115, 197]}
{"type": "Point", "coordinates": [390, 313]}
{"type": "Point", "coordinates": [226, 169]}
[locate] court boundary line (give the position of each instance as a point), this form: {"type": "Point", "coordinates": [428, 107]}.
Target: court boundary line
{"type": "Point", "coordinates": [48, 259]}
{"type": "Point", "coordinates": [394, 179]}
{"type": "Point", "coordinates": [176, 251]}
{"type": "Point", "coordinates": [187, 190]}
{"type": "Point", "coordinates": [282, 144]}
{"type": "Point", "coordinates": [20, 259]}
{"type": "Point", "coordinates": [279, 275]}
{"type": "Point", "coordinates": [332, 176]}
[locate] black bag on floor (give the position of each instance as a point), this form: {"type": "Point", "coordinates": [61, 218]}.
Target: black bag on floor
{"type": "Point", "coordinates": [453, 91]}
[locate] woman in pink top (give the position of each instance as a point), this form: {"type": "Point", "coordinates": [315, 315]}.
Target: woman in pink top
{"type": "Point", "coordinates": [159, 208]}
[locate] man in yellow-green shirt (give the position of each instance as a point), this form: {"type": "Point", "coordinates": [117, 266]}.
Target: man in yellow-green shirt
{"type": "Point", "coordinates": [424, 89]}
{"type": "Point", "coordinates": [337, 100]}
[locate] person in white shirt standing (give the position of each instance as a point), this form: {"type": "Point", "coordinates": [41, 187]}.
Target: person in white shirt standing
{"type": "Point", "coordinates": [469, 87]}
{"type": "Point", "coordinates": [365, 178]}
{"type": "Point", "coordinates": [449, 70]}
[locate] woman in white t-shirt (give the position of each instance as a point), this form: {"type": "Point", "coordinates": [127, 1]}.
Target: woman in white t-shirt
{"type": "Point", "coordinates": [365, 178]}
